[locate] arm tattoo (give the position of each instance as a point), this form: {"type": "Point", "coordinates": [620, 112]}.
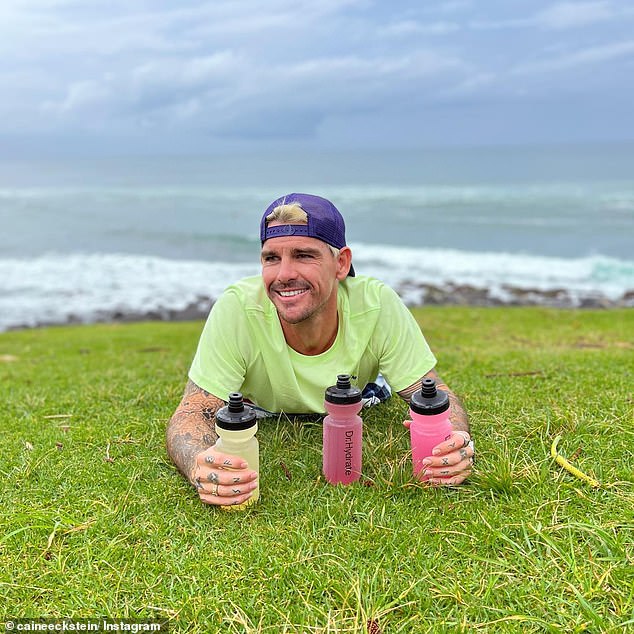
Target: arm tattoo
{"type": "Point", "coordinates": [457, 414]}
{"type": "Point", "coordinates": [191, 428]}
{"type": "Point", "coordinates": [408, 392]}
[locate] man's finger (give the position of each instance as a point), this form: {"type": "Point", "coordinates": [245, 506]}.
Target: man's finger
{"type": "Point", "coordinates": [450, 459]}
{"type": "Point", "coordinates": [227, 486]}
{"type": "Point", "coordinates": [211, 457]}
{"type": "Point", "coordinates": [457, 440]}
{"type": "Point", "coordinates": [448, 471]}
{"type": "Point", "coordinates": [217, 500]}
{"type": "Point", "coordinates": [230, 477]}
{"type": "Point", "coordinates": [453, 481]}
{"type": "Point", "coordinates": [223, 461]}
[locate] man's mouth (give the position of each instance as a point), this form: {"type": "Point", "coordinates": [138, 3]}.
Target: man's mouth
{"type": "Point", "coordinates": [293, 293]}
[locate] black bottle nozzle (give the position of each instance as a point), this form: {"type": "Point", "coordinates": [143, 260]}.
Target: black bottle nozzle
{"type": "Point", "coordinates": [344, 393]}
{"type": "Point", "coordinates": [236, 416]}
{"type": "Point", "coordinates": [343, 381]}
{"type": "Point", "coordinates": [429, 400]}
{"type": "Point", "coordinates": [236, 402]}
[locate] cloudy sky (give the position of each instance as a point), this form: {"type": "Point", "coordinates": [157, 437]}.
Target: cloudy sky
{"type": "Point", "coordinates": [194, 75]}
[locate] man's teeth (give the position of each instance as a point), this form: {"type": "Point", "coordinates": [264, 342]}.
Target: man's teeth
{"type": "Point", "coordinates": [291, 293]}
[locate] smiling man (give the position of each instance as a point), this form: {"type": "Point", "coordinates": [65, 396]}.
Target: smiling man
{"type": "Point", "coordinates": [283, 337]}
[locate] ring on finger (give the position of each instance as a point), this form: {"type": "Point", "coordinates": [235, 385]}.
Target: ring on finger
{"type": "Point", "coordinates": [216, 491]}
{"type": "Point", "coordinates": [466, 437]}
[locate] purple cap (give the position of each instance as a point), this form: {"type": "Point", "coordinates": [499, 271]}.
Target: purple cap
{"type": "Point", "coordinates": [324, 221]}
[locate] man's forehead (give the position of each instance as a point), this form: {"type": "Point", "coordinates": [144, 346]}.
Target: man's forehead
{"type": "Point", "coordinates": [293, 242]}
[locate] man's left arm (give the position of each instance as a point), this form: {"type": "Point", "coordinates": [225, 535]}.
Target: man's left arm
{"type": "Point", "coordinates": [452, 460]}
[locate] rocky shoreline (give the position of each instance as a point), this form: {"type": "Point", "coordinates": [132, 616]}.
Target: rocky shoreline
{"type": "Point", "coordinates": [413, 294]}
{"type": "Point", "coordinates": [463, 295]}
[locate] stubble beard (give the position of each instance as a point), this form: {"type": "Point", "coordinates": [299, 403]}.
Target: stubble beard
{"type": "Point", "coordinates": [309, 313]}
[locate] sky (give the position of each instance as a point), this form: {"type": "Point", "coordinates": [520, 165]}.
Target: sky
{"type": "Point", "coordinates": [117, 76]}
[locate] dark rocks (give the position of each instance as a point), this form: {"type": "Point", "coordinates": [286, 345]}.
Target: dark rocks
{"type": "Point", "coordinates": [415, 294]}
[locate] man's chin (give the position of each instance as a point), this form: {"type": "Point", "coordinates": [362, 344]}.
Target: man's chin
{"type": "Point", "coordinates": [297, 311]}
{"type": "Point", "coordinates": [293, 314]}
{"type": "Point", "coordinates": [292, 318]}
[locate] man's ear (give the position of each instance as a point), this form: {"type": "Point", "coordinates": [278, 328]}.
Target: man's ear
{"type": "Point", "coordinates": [343, 263]}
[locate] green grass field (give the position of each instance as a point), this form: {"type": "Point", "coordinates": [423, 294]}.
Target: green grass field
{"type": "Point", "coordinates": [96, 521]}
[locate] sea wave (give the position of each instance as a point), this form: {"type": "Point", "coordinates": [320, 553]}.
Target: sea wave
{"type": "Point", "coordinates": [164, 220]}
{"type": "Point", "coordinates": [86, 288]}
{"type": "Point", "coordinates": [355, 199]}
{"type": "Point", "coordinates": [54, 289]}
{"type": "Point", "coordinates": [398, 266]}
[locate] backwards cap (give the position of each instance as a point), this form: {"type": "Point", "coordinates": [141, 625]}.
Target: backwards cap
{"type": "Point", "coordinates": [324, 221]}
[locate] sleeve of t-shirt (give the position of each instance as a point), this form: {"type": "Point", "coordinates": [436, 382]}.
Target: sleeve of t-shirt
{"type": "Point", "coordinates": [404, 355]}
{"type": "Point", "coordinates": [218, 366]}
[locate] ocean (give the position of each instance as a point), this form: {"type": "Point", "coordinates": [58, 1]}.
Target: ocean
{"type": "Point", "coordinates": [86, 240]}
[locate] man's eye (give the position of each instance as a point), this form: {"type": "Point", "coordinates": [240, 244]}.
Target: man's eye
{"type": "Point", "coordinates": [269, 258]}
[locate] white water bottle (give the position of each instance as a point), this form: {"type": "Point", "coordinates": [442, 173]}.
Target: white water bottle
{"type": "Point", "coordinates": [236, 424]}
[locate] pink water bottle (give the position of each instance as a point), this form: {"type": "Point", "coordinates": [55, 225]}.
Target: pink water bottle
{"type": "Point", "coordinates": [429, 409]}
{"type": "Point", "coordinates": [342, 432]}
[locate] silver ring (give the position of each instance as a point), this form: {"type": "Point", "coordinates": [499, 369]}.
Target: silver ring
{"type": "Point", "coordinates": [466, 437]}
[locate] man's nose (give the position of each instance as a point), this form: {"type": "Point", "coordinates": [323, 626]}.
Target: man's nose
{"type": "Point", "coordinates": [286, 270]}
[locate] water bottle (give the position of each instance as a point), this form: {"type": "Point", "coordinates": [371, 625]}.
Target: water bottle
{"type": "Point", "coordinates": [429, 409]}
{"type": "Point", "coordinates": [236, 425]}
{"type": "Point", "coordinates": [342, 432]}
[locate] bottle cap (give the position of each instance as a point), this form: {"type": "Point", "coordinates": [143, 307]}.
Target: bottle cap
{"type": "Point", "coordinates": [429, 400]}
{"type": "Point", "coordinates": [343, 393]}
{"type": "Point", "coordinates": [236, 416]}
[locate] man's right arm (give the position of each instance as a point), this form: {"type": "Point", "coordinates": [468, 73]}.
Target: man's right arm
{"type": "Point", "coordinates": [191, 428]}
{"type": "Point", "coordinates": [219, 479]}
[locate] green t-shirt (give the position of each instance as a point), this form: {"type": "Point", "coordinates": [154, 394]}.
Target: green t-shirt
{"type": "Point", "coordinates": [242, 347]}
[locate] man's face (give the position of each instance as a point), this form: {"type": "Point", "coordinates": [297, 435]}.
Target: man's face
{"type": "Point", "coordinates": [300, 276]}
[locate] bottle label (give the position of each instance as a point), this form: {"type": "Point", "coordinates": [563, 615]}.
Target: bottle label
{"type": "Point", "coordinates": [348, 446]}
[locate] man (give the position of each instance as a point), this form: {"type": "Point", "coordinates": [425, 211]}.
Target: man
{"type": "Point", "coordinates": [281, 338]}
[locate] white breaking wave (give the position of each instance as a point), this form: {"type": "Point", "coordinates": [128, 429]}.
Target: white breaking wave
{"type": "Point", "coordinates": [91, 287]}
{"type": "Point", "coordinates": [593, 275]}
{"type": "Point", "coordinates": [84, 288]}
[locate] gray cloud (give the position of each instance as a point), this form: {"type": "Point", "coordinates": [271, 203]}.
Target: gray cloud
{"type": "Point", "coordinates": [566, 15]}
{"type": "Point", "coordinates": [579, 58]}
{"type": "Point", "coordinates": [559, 16]}
{"type": "Point", "coordinates": [294, 68]}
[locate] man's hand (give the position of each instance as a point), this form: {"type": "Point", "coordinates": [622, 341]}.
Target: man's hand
{"type": "Point", "coordinates": [221, 479]}
{"type": "Point", "coordinates": [451, 461]}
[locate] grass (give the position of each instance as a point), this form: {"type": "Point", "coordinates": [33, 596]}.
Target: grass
{"type": "Point", "coordinates": [96, 522]}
